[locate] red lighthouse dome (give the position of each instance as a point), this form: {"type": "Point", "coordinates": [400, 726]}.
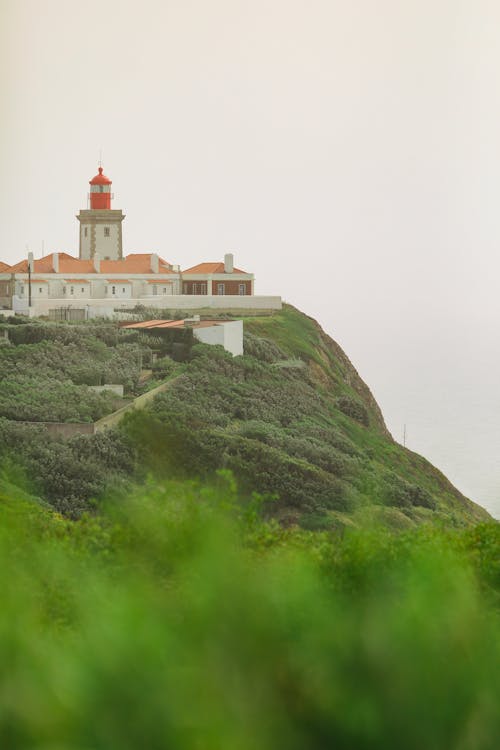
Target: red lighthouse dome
{"type": "Point", "coordinates": [100, 191]}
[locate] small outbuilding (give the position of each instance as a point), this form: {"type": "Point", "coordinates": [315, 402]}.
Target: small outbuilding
{"type": "Point", "coordinates": [226, 333]}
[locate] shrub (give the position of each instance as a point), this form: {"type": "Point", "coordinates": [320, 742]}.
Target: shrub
{"type": "Point", "coordinates": [353, 409]}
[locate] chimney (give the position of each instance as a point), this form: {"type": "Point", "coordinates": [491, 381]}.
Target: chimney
{"type": "Point", "coordinates": [97, 263]}
{"type": "Point", "coordinates": [228, 263]}
{"type": "Point", "coordinates": [155, 263]}
{"type": "Point", "coordinates": [55, 262]}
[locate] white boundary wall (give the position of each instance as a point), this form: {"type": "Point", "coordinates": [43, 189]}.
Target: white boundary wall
{"type": "Point", "coordinates": [107, 308]}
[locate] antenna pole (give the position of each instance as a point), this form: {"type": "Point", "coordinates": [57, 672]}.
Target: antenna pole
{"type": "Point", "coordinates": [30, 265]}
{"type": "Point", "coordinates": [404, 436]}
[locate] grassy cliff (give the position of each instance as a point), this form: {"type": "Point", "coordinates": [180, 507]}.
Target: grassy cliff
{"type": "Point", "coordinates": [293, 419]}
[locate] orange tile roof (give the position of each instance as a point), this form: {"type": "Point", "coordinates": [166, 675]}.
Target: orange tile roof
{"type": "Point", "coordinates": [210, 268]}
{"type": "Point", "coordinates": [3, 267]}
{"type": "Point", "coordinates": [67, 264]}
{"type": "Point", "coordinates": [158, 281]}
{"type": "Point", "coordinates": [46, 264]}
{"type": "Point", "coordinates": [154, 324]}
{"type": "Point", "coordinates": [135, 263]}
{"type": "Point", "coordinates": [21, 267]}
{"type": "Point", "coordinates": [76, 281]}
{"type": "Point", "coordinates": [118, 281]}
{"type": "Point", "coordinates": [148, 324]}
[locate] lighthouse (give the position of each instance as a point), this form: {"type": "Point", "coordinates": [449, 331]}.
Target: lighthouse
{"type": "Point", "coordinates": [100, 225]}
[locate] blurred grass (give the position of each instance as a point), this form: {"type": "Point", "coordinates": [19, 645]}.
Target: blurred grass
{"type": "Point", "coordinates": [179, 619]}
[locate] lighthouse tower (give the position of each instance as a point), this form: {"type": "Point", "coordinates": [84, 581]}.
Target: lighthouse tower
{"type": "Point", "coordinates": [100, 225]}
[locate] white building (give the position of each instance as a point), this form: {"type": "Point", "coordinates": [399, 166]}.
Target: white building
{"type": "Point", "coordinates": [102, 280]}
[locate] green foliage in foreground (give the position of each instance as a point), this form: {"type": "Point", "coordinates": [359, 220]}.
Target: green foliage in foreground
{"type": "Point", "coordinates": [178, 619]}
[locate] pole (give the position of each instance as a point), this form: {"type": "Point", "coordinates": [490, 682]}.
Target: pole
{"type": "Point", "coordinates": [30, 265]}
{"type": "Point", "coordinates": [404, 436]}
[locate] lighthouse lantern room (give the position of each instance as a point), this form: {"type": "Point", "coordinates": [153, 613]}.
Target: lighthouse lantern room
{"type": "Point", "coordinates": [100, 225]}
{"type": "Point", "coordinates": [100, 191]}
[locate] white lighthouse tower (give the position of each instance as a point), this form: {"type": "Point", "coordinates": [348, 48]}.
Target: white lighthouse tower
{"type": "Point", "coordinates": [100, 225]}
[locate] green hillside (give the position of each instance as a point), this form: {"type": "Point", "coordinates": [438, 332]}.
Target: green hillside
{"type": "Point", "coordinates": [291, 419]}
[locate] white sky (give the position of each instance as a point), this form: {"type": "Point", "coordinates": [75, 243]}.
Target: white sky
{"type": "Point", "coordinates": [348, 152]}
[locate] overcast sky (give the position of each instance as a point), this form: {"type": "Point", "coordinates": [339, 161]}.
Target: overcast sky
{"type": "Point", "coordinates": [347, 152]}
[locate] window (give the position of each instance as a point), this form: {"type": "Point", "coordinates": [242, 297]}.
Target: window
{"type": "Point", "coordinates": [101, 188]}
{"type": "Point", "coordinates": [106, 231]}
{"type": "Point", "coordinates": [113, 290]}
{"type": "Point", "coordinates": [155, 289]}
{"type": "Point", "coordinates": [164, 290]}
{"type": "Point", "coordinates": [83, 289]}
{"type": "Point", "coordinates": [123, 290]}
{"type": "Point", "coordinates": [72, 290]}
{"type": "Point", "coordinates": [40, 290]}
{"type": "Point", "coordinates": [64, 290]}
{"type": "Point", "coordinates": [243, 289]}
{"type": "Point", "coordinates": [85, 232]}
{"type": "Point", "coordinates": [221, 289]}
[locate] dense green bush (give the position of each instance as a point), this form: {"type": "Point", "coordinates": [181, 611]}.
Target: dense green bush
{"type": "Point", "coordinates": [69, 474]}
{"type": "Point", "coordinates": [43, 376]}
{"type": "Point", "coordinates": [88, 362]}
{"type": "Point", "coordinates": [179, 620]}
{"type": "Point", "coordinates": [353, 409]}
{"type": "Point", "coordinates": [262, 349]}
{"type": "Point", "coordinates": [43, 399]}
{"type": "Point", "coordinates": [405, 495]}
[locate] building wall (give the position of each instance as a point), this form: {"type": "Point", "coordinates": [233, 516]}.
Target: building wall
{"type": "Point", "coordinates": [119, 290]}
{"type": "Point", "coordinates": [208, 284]}
{"type": "Point", "coordinates": [116, 388]}
{"type": "Point", "coordinates": [195, 287]}
{"type": "Point", "coordinates": [39, 289]}
{"type": "Point", "coordinates": [157, 290]}
{"type": "Point", "coordinates": [100, 233]}
{"type": "Point", "coordinates": [232, 287]}
{"type": "Point", "coordinates": [6, 292]}
{"type": "Point", "coordinates": [99, 287]}
{"type": "Point", "coordinates": [229, 335]}
{"type": "Point", "coordinates": [77, 290]}
{"type": "Point", "coordinates": [96, 286]}
{"type": "Point", "coordinates": [56, 287]}
{"type": "Point", "coordinates": [98, 240]}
